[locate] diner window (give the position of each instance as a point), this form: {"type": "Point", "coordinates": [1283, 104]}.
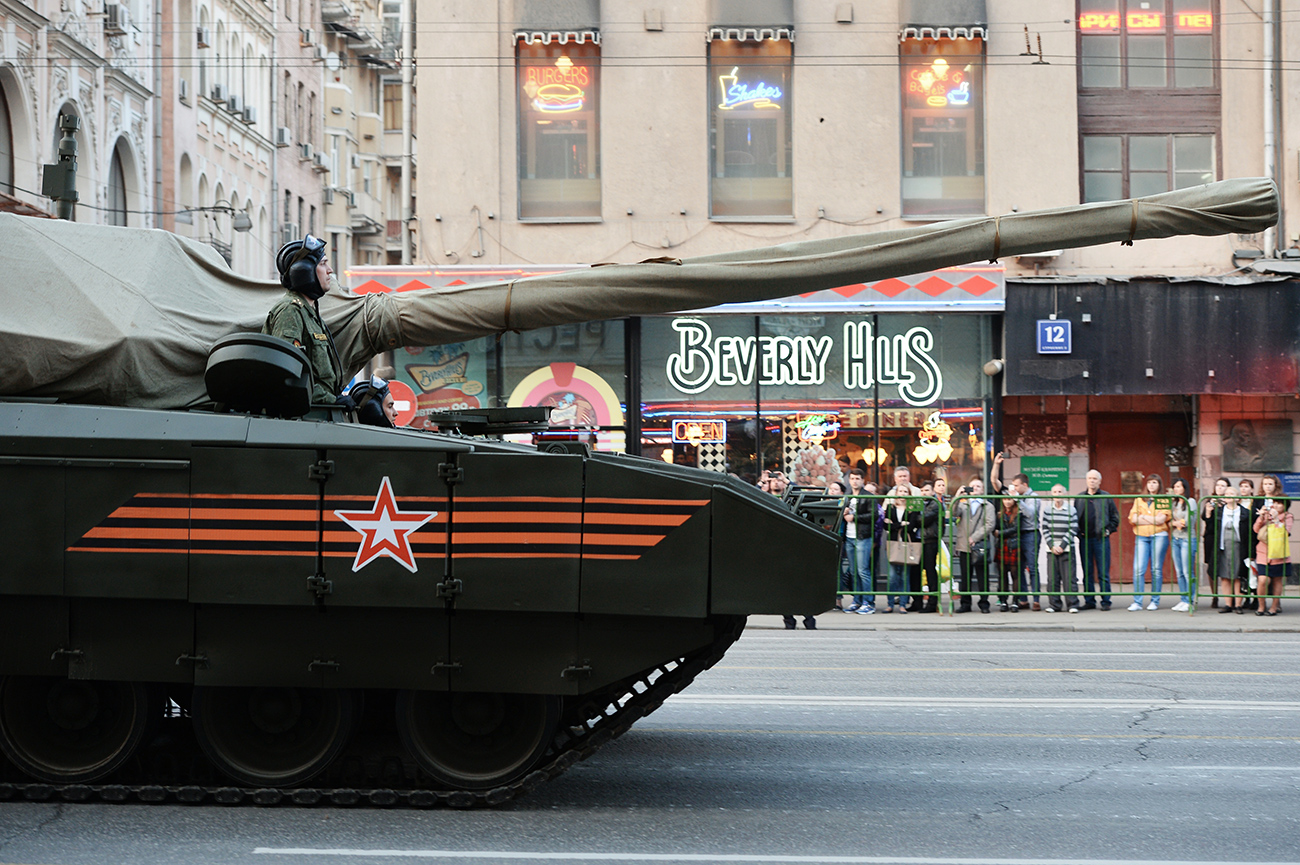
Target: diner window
{"type": "Point", "coordinates": [559, 131]}
{"type": "Point", "coordinates": [1130, 166]}
{"type": "Point", "coordinates": [943, 127]}
{"type": "Point", "coordinates": [750, 139]}
{"type": "Point", "coordinates": [1144, 44]}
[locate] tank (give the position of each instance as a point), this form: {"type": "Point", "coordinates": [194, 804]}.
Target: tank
{"type": "Point", "coordinates": [241, 598]}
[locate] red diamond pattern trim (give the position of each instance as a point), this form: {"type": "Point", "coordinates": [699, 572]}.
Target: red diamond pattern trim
{"type": "Point", "coordinates": [413, 285]}
{"type": "Point", "coordinates": [371, 286]}
{"type": "Point", "coordinates": [849, 290]}
{"type": "Point", "coordinates": [457, 282]}
{"type": "Point", "coordinates": [891, 287]}
{"type": "Point", "coordinates": [978, 285]}
{"type": "Point", "coordinates": [934, 286]}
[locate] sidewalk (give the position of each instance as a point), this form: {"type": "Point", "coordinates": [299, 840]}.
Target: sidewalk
{"type": "Point", "coordinates": [1205, 620]}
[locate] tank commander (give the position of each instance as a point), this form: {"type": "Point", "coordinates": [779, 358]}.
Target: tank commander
{"type": "Point", "coordinates": [374, 402]}
{"type": "Point", "coordinates": [306, 274]}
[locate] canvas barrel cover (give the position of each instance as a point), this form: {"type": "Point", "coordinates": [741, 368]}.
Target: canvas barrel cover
{"type": "Point", "coordinates": [127, 316]}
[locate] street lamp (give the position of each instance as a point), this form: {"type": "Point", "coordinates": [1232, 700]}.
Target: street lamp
{"type": "Point", "coordinates": [240, 220]}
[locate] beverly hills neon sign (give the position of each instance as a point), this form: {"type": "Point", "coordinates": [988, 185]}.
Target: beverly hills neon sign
{"type": "Point", "coordinates": [904, 361]}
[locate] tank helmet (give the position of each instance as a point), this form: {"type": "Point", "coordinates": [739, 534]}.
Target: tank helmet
{"type": "Point", "coordinates": [296, 262]}
{"type": "Point", "coordinates": [369, 397]}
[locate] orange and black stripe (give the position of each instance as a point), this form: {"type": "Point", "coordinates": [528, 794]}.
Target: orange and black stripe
{"type": "Point", "coordinates": [482, 526]}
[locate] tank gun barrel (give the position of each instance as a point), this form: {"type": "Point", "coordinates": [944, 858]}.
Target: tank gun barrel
{"type": "Point", "coordinates": [367, 325]}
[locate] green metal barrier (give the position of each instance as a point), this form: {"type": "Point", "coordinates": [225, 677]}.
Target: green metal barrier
{"type": "Point", "coordinates": [1031, 586]}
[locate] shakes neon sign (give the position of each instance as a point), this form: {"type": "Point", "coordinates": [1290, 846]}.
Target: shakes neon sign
{"type": "Point", "coordinates": [903, 361]}
{"type": "Point", "coordinates": [736, 93]}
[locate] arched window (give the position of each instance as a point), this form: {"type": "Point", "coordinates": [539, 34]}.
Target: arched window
{"type": "Point", "coordinates": [6, 147]}
{"type": "Point", "coordinates": [116, 190]}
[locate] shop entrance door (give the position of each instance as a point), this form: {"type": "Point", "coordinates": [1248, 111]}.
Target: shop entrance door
{"type": "Point", "coordinates": [1125, 450]}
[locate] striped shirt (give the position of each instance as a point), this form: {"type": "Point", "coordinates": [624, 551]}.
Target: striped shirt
{"type": "Point", "coordinates": [1058, 525]}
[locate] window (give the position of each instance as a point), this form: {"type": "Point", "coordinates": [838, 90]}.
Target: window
{"type": "Point", "coordinates": [116, 190]}
{"type": "Point", "coordinates": [1149, 103]}
{"type": "Point", "coordinates": [392, 105]}
{"type": "Point", "coordinates": [943, 127]}
{"type": "Point", "coordinates": [559, 130]}
{"type": "Point", "coordinates": [1130, 166]}
{"type": "Point", "coordinates": [6, 148]}
{"type": "Point", "coordinates": [1145, 44]}
{"type": "Point", "coordinates": [749, 136]}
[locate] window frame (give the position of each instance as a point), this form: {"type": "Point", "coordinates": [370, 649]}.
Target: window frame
{"type": "Point", "coordinates": [594, 154]}
{"type": "Point", "coordinates": [1170, 33]}
{"type": "Point", "coordinates": [1171, 167]}
{"type": "Point", "coordinates": [712, 133]}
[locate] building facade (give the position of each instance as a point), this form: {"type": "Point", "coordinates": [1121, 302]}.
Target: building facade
{"type": "Point", "coordinates": [612, 130]}
{"type": "Point", "coordinates": [95, 61]}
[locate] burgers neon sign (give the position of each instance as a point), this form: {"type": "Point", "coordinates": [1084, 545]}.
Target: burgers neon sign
{"type": "Point", "coordinates": [557, 89]}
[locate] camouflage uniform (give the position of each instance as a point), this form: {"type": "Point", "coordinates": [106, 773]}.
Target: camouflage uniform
{"type": "Point", "coordinates": [296, 319]}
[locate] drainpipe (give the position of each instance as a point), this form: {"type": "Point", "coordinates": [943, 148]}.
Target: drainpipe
{"type": "Point", "coordinates": [408, 62]}
{"type": "Point", "coordinates": [271, 118]}
{"type": "Point", "coordinates": [159, 221]}
{"type": "Point", "coordinates": [1270, 109]}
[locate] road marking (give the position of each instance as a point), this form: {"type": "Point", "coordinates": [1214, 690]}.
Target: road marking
{"type": "Point", "coordinates": [1002, 670]}
{"type": "Point", "coordinates": [1073, 654]}
{"type": "Point", "coordinates": [1074, 737]}
{"type": "Point", "coordinates": [715, 857]}
{"type": "Point", "coordinates": [796, 701]}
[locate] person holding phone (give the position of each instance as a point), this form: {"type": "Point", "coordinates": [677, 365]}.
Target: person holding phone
{"type": "Point", "coordinates": [1273, 552]}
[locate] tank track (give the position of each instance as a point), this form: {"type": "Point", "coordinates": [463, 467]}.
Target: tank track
{"type": "Point", "coordinates": [589, 722]}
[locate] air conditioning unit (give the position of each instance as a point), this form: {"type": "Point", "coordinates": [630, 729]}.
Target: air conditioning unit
{"type": "Point", "coordinates": [183, 91]}
{"type": "Point", "coordinates": [306, 37]}
{"type": "Point", "coordinates": [321, 53]}
{"type": "Point", "coordinates": [319, 162]}
{"type": "Point", "coordinates": [202, 37]}
{"type": "Point", "coordinates": [117, 20]}
{"type": "Point", "coordinates": [304, 150]}
{"type": "Point", "coordinates": [351, 197]}
{"type": "Point", "coordinates": [219, 93]}
{"type": "Point", "coordinates": [234, 104]}
{"type": "Point", "coordinates": [282, 138]}
{"type": "Point", "coordinates": [289, 232]}
{"type": "Point", "coordinates": [250, 115]}
{"type": "Point", "coordinates": [327, 197]}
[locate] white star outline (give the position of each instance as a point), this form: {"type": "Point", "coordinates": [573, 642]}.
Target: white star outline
{"type": "Point", "coordinates": [385, 530]}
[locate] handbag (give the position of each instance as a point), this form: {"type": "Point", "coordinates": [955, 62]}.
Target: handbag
{"type": "Point", "coordinates": [1278, 547]}
{"type": "Point", "coordinates": [904, 552]}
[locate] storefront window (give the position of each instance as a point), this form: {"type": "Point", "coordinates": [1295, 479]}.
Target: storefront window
{"type": "Point", "coordinates": [797, 392]}
{"type": "Point", "coordinates": [943, 127]}
{"type": "Point", "coordinates": [559, 131]}
{"type": "Point", "coordinates": [750, 142]}
{"type": "Point", "coordinates": [1146, 43]}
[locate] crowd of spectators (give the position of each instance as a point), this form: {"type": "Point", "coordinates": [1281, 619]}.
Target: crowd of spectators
{"type": "Point", "coordinates": [1052, 551]}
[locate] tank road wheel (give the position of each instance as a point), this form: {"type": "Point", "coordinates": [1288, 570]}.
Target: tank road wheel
{"type": "Point", "coordinates": [472, 741]}
{"type": "Point", "coordinates": [65, 731]}
{"type": "Point", "coordinates": [273, 737]}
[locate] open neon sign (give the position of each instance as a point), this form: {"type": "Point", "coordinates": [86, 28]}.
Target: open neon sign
{"type": "Point", "coordinates": [736, 93]}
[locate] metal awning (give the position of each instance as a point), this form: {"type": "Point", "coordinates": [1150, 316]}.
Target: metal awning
{"type": "Point", "coordinates": [943, 19]}
{"type": "Point", "coordinates": [750, 34]}
{"type": "Point", "coordinates": [559, 37]}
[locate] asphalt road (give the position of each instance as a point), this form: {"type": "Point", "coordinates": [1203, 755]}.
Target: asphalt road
{"type": "Point", "coordinates": [844, 746]}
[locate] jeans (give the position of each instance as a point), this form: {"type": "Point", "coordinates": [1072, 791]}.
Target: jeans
{"type": "Point", "coordinates": [1179, 548]}
{"type": "Point", "coordinates": [1149, 549]}
{"type": "Point", "coordinates": [860, 570]}
{"type": "Point", "coordinates": [1029, 559]}
{"type": "Point", "coordinates": [1095, 553]}
{"type": "Point", "coordinates": [897, 586]}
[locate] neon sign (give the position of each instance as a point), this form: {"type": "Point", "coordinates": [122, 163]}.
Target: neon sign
{"type": "Point", "coordinates": [1099, 21]}
{"type": "Point", "coordinates": [1145, 21]}
{"type": "Point", "coordinates": [817, 428]}
{"type": "Point", "coordinates": [939, 85]}
{"type": "Point", "coordinates": [694, 431]}
{"type": "Point", "coordinates": [557, 89]}
{"type": "Point", "coordinates": [1195, 21]}
{"type": "Point", "coordinates": [735, 93]}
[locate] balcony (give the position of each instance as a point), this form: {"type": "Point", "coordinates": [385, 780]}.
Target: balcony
{"type": "Point", "coordinates": [335, 11]}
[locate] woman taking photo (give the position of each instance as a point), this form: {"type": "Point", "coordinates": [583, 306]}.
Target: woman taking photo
{"type": "Point", "coordinates": [1178, 534]}
{"type": "Point", "coordinates": [1272, 551]}
{"type": "Point", "coordinates": [1150, 519]}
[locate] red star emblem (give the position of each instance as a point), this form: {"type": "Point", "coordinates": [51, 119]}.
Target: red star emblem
{"type": "Point", "coordinates": [385, 531]}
